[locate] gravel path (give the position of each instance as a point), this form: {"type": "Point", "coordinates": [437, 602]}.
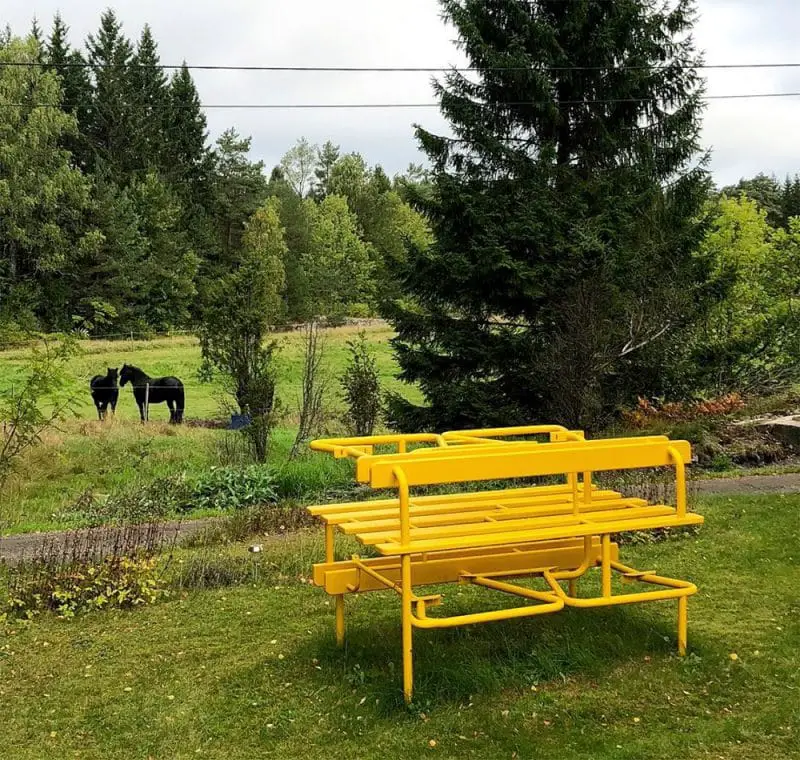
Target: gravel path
{"type": "Point", "coordinates": [102, 540]}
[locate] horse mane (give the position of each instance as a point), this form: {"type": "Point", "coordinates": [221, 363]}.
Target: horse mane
{"type": "Point", "coordinates": [135, 371]}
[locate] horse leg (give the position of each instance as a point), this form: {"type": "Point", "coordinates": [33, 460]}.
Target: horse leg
{"type": "Point", "coordinates": [171, 405]}
{"type": "Point", "coordinates": [99, 411]}
{"type": "Point", "coordinates": [141, 410]}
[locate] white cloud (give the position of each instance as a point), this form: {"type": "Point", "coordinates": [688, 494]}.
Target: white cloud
{"type": "Point", "coordinates": [746, 136]}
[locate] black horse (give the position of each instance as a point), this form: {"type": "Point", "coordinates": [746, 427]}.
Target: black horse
{"type": "Point", "coordinates": [105, 392]}
{"type": "Point", "coordinates": [155, 390]}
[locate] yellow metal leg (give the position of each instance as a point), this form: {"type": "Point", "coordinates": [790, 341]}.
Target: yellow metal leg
{"type": "Point", "coordinates": [606, 565]}
{"type": "Point", "coordinates": [329, 543]}
{"type": "Point", "coordinates": [683, 624]}
{"type": "Point", "coordinates": [339, 598]}
{"type": "Point", "coordinates": [408, 667]}
{"type": "Point", "coordinates": [340, 619]}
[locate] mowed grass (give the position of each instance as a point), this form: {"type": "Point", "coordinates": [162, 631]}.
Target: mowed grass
{"type": "Point", "coordinates": [86, 455]}
{"type": "Point", "coordinates": [254, 672]}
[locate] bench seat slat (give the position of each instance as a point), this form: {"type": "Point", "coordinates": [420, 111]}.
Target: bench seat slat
{"type": "Point", "coordinates": [500, 513]}
{"type": "Point", "coordinates": [528, 523]}
{"type": "Point", "coordinates": [322, 510]}
{"type": "Point", "coordinates": [538, 534]}
{"type": "Point", "coordinates": [468, 508]}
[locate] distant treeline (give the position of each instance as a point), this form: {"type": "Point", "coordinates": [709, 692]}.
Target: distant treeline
{"type": "Point", "coordinates": [117, 215]}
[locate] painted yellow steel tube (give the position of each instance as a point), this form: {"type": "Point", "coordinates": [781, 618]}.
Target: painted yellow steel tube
{"type": "Point", "coordinates": [489, 617]}
{"type": "Point", "coordinates": [680, 482]}
{"type": "Point", "coordinates": [588, 561]}
{"type": "Point", "coordinates": [407, 621]}
{"type": "Point", "coordinates": [606, 565]}
{"type": "Point", "coordinates": [683, 605]}
{"type": "Point", "coordinates": [329, 542]}
{"type": "Point", "coordinates": [352, 446]}
{"type": "Point", "coordinates": [340, 619]}
{"type": "Point", "coordinates": [402, 492]}
{"type": "Point", "coordinates": [505, 432]}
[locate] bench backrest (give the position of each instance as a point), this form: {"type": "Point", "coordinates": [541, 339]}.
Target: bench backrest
{"type": "Point", "coordinates": [460, 465]}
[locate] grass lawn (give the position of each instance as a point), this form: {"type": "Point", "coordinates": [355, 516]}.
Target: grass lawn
{"type": "Point", "coordinates": [253, 671]}
{"type": "Point", "coordinates": [86, 454]}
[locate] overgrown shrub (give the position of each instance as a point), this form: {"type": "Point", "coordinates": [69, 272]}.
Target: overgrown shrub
{"type": "Point", "coordinates": [361, 387]}
{"type": "Point", "coordinates": [115, 582]}
{"type": "Point", "coordinates": [36, 403]}
{"type": "Point", "coordinates": [230, 488]}
{"type": "Point", "coordinates": [139, 502]}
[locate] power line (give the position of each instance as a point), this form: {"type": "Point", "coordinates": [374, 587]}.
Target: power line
{"type": "Point", "coordinates": [401, 69]}
{"type": "Point", "coordinates": [331, 106]}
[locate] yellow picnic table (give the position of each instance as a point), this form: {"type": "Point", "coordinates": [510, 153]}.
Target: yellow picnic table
{"type": "Point", "coordinates": [556, 531]}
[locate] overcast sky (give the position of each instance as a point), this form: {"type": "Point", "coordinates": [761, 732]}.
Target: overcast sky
{"type": "Point", "coordinates": [746, 136]}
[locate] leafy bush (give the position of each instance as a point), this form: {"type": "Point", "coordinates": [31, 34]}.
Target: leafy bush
{"type": "Point", "coordinates": [229, 488]}
{"type": "Point", "coordinates": [361, 387]}
{"type": "Point", "coordinates": [115, 582]}
{"type": "Point", "coordinates": [142, 501]}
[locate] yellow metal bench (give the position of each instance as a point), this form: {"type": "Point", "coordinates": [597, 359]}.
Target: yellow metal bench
{"type": "Point", "coordinates": [488, 538]}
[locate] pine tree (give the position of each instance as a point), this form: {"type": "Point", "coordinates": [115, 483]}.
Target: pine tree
{"type": "Point", "coordinates": [150, 98]}
{"type": "Point", "coordinates": [113, 121]}
{"type": "Point", "coordinates": [166, 287]}
{"type": "Point", "coordinates": [187, 162]}
{"type": "Point", "coordinates": [790, 199]}
{"type": "Point", "coordinates": [239, 189]}
{"type": "Point", "coordinates": [185, 131]}
{"type": "Point", "coordinates": [77, 90]}
{"type": "Point", "coordinates": [327, 156]}
{"type": "Point", "coordinates": [563, 209]}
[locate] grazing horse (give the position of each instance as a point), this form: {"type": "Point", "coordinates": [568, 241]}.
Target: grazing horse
{"type": "Point", "coordinates": [160, 390]}
{"type": "Point", "coordinates": [105, 392]}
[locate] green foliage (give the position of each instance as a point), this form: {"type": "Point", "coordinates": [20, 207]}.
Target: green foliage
{"type": "Point", "coordinates": [242, 308]}
{"type": "Point", "coordinates": [361, 387]}
{"type": "Point", "coordinates": [297, 167]}
{"type": "Point", "coordinates": [239, 189]}
{"type": "Point", "coordinates": [141, 501]}
{"type": "Point", "coordinates": [765, 191]}
{"type": "Point", "coordinates": [37, 402]}
{"type": "Point", "coordinates": [116, 582]}
{"type": "Point", "coordinates": [749, 340]}
{"type": "Point", "coordinates": [233, 488]}
{"type": "Point", "coordinates": [41, 195]}
{"type": "Point", "coordinates": [564, 263]}
{"type": "Point", "coordinates": [337, 264]}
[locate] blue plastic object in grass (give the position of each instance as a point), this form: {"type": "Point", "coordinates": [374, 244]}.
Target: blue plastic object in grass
{"type": "Point", "coordinates": [239, 421]}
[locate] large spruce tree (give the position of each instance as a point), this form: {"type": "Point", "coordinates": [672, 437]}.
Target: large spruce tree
{"type": "Point", "coordinates": [113, 121]}
{"type": "Point", "coordinates": [565, 207]}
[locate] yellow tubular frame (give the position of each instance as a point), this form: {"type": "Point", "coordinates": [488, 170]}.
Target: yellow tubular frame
{"type": "Point", "coordinates": [486, 444]}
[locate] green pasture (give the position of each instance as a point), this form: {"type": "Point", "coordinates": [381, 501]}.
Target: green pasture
{"type": "Point", "coordinates": [86, 455]}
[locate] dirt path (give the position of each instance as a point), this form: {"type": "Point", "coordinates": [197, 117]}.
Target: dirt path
{"type": "Point", "coordinates": [100, 541]}
{"type": "Point", "coordinates": [750, 484]}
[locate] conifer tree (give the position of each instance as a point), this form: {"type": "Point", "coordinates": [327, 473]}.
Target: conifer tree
{"type": "Point", "coordinates": [150, 98]}
{"type": "Point", "coordinates": [70, 66]}
{"type": "Point", "coordinates": [113, 120]}
{"type": "Point", "coordinates": [565, 211]}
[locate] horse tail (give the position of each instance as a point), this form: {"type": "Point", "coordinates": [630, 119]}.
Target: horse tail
{"type": "Point", "coordinates": [180, 402]}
